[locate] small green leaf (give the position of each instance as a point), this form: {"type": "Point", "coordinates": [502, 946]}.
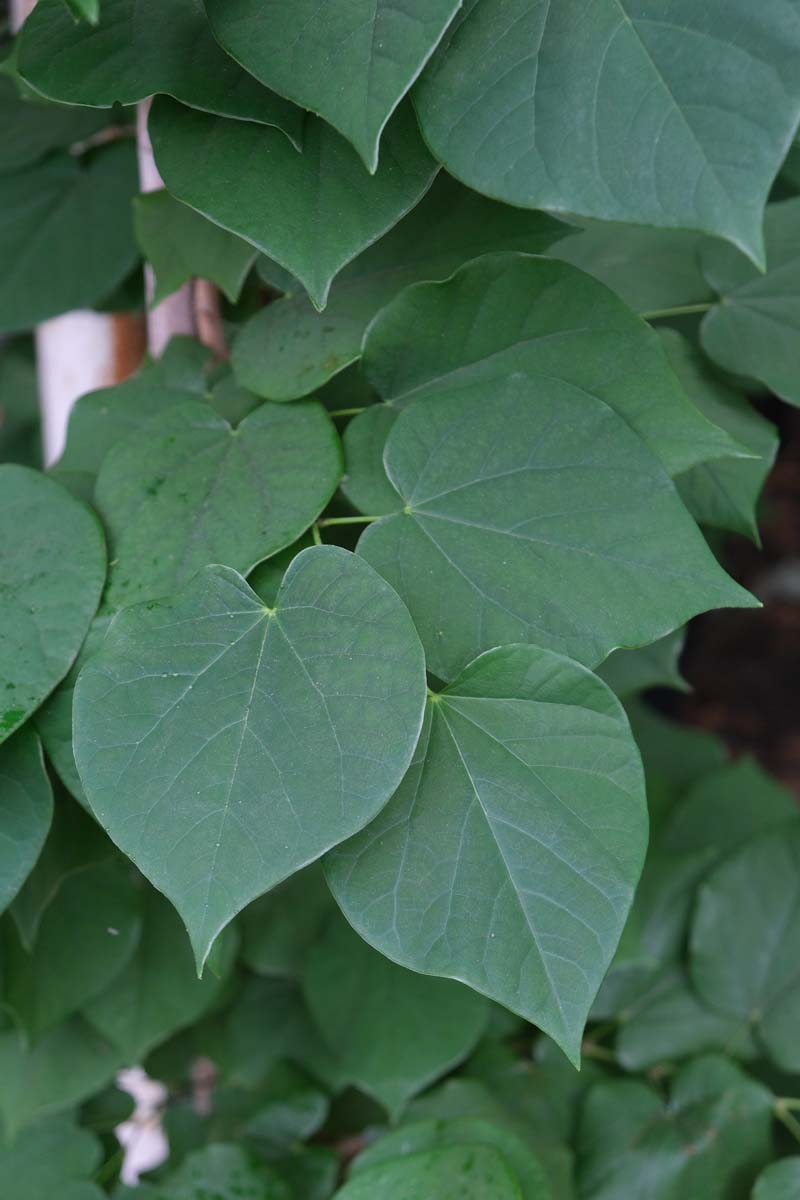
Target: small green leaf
{"type": "Point", "coordinates": [49, 265]}
{"type": "Point", "coordinates": [85, 10]}
{"type": "Point", "coordinates": [126, 57]}
{"type": "Point", "coordinates": [509, 856]}
{"type": "Point", "coordinates": [221, 1172]}
{"type": "Point", "coordinates": [662, 139]}
{"type": "Point", "coordinates": [352, 68]}
{"type": "Point", "coordinates": [26, 810]}
{"type": "Point", "coordinates": [708, 1141]}
{"type": "Point", "coordinates": [455, 1173]}
{"type": "Point", "coordinates": [656, 665]}
{"type": "Point", "coordinates": [269, 1022]}
{"type": "Point", "coordinates": [411, 1029]}
{"type": "Point", "coordinates": [288, 348]}
{"type": "Point", "coordinates": [280, 928]}
{"type": "Point", "coordinates": [188, 490]}
{"type": "Point", "coordinates": [515, 317]}
{"type": "Point", "coordinates": [266, 578]}
{"type": "Point", "coordinates": [180, 243]}
{"type": "Point", "coordinates": [365, 483]}
{"type": "Point", "coordinates": [745, 941]}
{"type": "Point", "coordinates": [753, 330]}
{"type": "Point", "coordinates": [32, 128]}
{"type": "Point", "coordinates": [50, 584]}
{"type": "Point", "coordinates": [321, 208]}
{"type": "Point", "coordinates": [52, 1158]}
{"type": "Point", "coordinates": [779, 1181]}
{"type": "Point", "coordinates": [596, 549]}
{"type": "Point", "coordinates": [99, 910]}
{"type": "Point", "coordinates": [217, 792]}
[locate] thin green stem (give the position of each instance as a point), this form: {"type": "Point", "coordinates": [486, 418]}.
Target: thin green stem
{"type": "Point", "coordinates": [110, 1168]}
{"type": "Point", "coordinates": [681, 310]}
{"type": "Point", "coordinates": [347, 412]}
{"type": "Point", "coordinates": [347, 521]}
{"type": "Point", "coordinates": [315, 533]}
{"type": "Point", "coordinates": [782, 1112]}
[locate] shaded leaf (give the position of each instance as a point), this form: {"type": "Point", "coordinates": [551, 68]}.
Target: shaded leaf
{"type": "Point", "coordinates": [280, 928]}
{"type": "Point", "coordinates": [219, 794]}
{"type": "Point", "coordinates": [779, 1181]}
{"type": "Point", "coordinates": [26, 810]}
{"type": "Point", "coordinates": [454, 1173]}
{"type": "Point", "coordinates": [52, 1158]}
{"type": "Point", "coordinates": [656, 665]}
{"type": "Point", "coordinates": [20, 435]}
{"type": "Point", "coordinates": [51, 583]}
{"type": "Point", "coordinates": [32, 129]}
{"type": "Point", "coordinates": [221, 1172]}
{"type": "Point", "coordinates": [321, 208]}
{"type": "Point", "coordinates": [509, 856]}
{"type": "Point", "coordinates": [365, 483]}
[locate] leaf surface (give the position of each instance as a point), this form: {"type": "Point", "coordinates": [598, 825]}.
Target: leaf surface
{"type": "Point", "coordinates": [54, 1158]}
{"type": "Point", "coordinates": [656, 665]}
{"type": "Point", "coordinates": [509, 856]}
{"type": "Point", "coordinates": [454, 1173]}
{"type": "Point", "coordinates": [32, 129]}
{"type": "Point", "coordinates": [219, 792]}
{"type": "Point", "coordinates": [779, 1181]}
{"type": "Point", "coordinates": [26, 810]}
{"type": "Point", "coordinates": [280, 928]}
{"type": "Point", "coordinates": [661, 139]}
{"type": "Point", "coordinates": [321, 208]}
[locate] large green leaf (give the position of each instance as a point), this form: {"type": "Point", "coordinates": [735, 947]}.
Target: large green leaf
{"type": "Point", "coordinates": [624, 112]}
{"type": "Point", "coordinates": [779, 1181]}
{"type": "Point", "coordinates": [709, 1141]}
{"type": "Point", "coordinates": [453, 1173]}
{"type": "Point", "coordinates": [321, 208]}
{"type": "Point", "coordinates": [509, 856]}
{"type": "Point", "coordinates": [724, 492]}
{"type": "Point", "coordinates": [50, 265]}
{"type": "Point", "coordinates": [137, 49]}
{"type": "Point", "coordinates": [99, 912]}
{"type": "Point", "coordinates": [52, 1158]}
{"type": "Point", "coordinates": [515, 317]}
{"type": "Point", "coordinates": [597, 551]}
{"type": "Point", "coordinates": [410, 1029]}
{"type": "Point", "coordinates": [754, 328]}
{"type": "Point", "coordinates": [745, 941]}
{"type": "Point", "coordinates": [214, 789]}
{"type": "Point", "coordinates": [353, 66]}
{"type": "Point", "coordinates": [26, 810]}
{"type": "Point", "coordinates": [32, 129]}
{"type": "Point", "coordinates": [179, 243]}
{"type": "Point", "coordinates": [158, 992]}
{"type": "Point", "coordinates": [288, 348]}
{"type": "Point", "coordinates": [279, 929]}
{"type": "Point", "coordinates": [52, 570]}
{"type": "Point", "coordinates": [201, 492]}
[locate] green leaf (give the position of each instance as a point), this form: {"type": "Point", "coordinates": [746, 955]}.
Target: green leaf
{"type": "Point", "coordinates": [321, 208]}
{"type": "Point", "coordinates": [51, 582]}
{"type": "Point", "coordinates": [708, 1141]}
{"type": "Point", "coordinates": [158, 992]}
{"type": "Point", "coordinates": [221, 1173]}
{"type": "Point", "coordinates": [288, 348]}
{"type": "Point", "coordinates": [85, 10]}
{"type": "Point", "coordinates": [411, 1029]}
{"type": "Point", "coordinates": [723, 493]}
{"type": "Point", "coordinates": [365, 482]}
{"type": "Point", "coordinates": [454, 1173]}
{"type": "Point", "coordinates": [266, 578]}
{"type": "Point", "coordinates": [20, 433]}
{"type": "Point", "coordinates": [202, 492]}
{"type": "Point", "coordinates": [215, 791]}
{"type": "Point", "coordinates": [464, 1131]}
{"type": "Point", "coordinates": [99, 911]}
{"type": "Point", "coordinates": [674, 756]}
{"type": "Point", "coordinates": [32, 129]}
{"type": "Point", "coordinates": [64, 1067]}
{"type": "Point", "coordinates": [745, 941]}
{"type": "Point", "coordinates": [663, 138]}
{"type": "Point", "coordinates": [128, 56]}
{"type": "Point", "coordinates": [352, 68]}
{"type": "Point", "coordinates": [53, 1158]}
{"type": "Point", "coordinates": [179, 244]}
{"type": "Point", "coordinates": [650, 269]}
{"type": "Point", "coordinates": [753, 329]}
{"type": "Point", "coordinates": [779, 1181]}
{"type": "Point", "coordinates": [508, 317]}
{"type": "Point", "coordinates": [268, 1022]}
{"type": "Point", "coordinates": [475, 497]}
{"type": "Point", "coordinates": [629, 671]}
{"type": "Point", "coordinates": [280, 928]}
{"type": "Point", "coordinates": [49, 265]}
{"type": "Point", "coordinates": [26, 810]}
{"type": "Point", "coordinates": [527, 783]}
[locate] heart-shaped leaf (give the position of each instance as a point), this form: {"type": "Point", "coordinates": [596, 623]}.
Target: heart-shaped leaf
{"type": "Point", "coordinates": [509, 856]}
{"type": "Point", "coordinates": [532, 512]}
{"type": "Point", "coordinates": [26, 810]}
{"type": "Point", "coordinates": [216, 790]}
{"type": "Point", "coordinates": [134, 52]}
{"type": "Point", "coordinates": [661, 138]}
{"type": "Point", "coordinates": [321, 208]}
{"type": "Point", "coordinates": [201, 492]}
{"type": "Point", "coordinates": [50, 584]}
{"type": "Point", "coordinates": [353, 67]}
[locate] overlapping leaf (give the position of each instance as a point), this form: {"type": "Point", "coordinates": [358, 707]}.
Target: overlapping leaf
{"type": "Point", "coordinates": [662, 139]}
{"type": "Point", "coordinates": [509, 856]}
{"type": "Point", "coordinates": [32, 129]}
{"type": "Point", "coordinates": [279, 929]}
{"type": "Point", "coordinates": [321, 208]}
{"type": "Point", "coordinates": [454, 1173]}
{"type": "Point", "coordinates": [779, 1181]}
{"type": "Point", "coordinates": [26, 810]}
{"type": "Point", "coordinates": [630, 671]}
{"type": "Point", "coordinates": [225, 760]}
